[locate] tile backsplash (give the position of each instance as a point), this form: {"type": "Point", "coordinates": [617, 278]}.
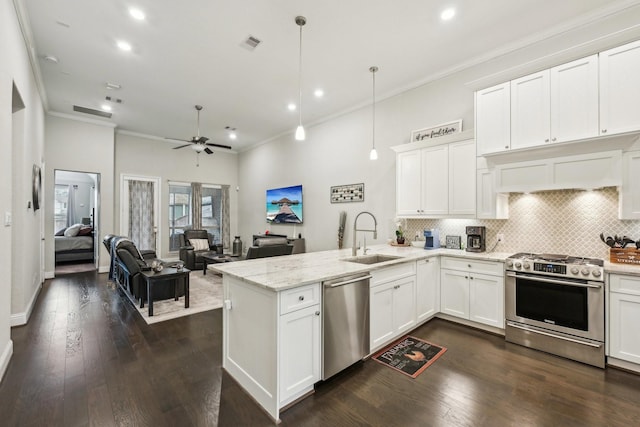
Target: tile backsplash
{"type": "Point", "coordinates": [563, 221]}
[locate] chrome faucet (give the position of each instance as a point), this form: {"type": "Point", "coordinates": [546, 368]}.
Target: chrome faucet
{"type": "Point", "coordinates": [354, 249]}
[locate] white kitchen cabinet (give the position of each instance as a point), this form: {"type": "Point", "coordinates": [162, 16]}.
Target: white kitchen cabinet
{"type": "Point", "coordinates": [489, 203]}
{"type": "Point", "coordinates": [493, 119]}
{"type": "Point", "coordinates": [629, 198]}
{"type": "Point", "coordinates": [300, 352]}
{"type": "Point", "coordinates": [392, 302]}
{"type": "Point", "coordinates": [624, 317]}
{"type": "Point", "coordinates": [620, 89]}
{"type": "Point", "coordinates": [427, 288]}
{"type": "Point", "coordinates": [473, 290]}
{"type": "Point", "coordinates": [436, 180]}
{"type": "Point", "coordinates": [530, 110]}
{"type": "Point", "coordinates": [574, 100]}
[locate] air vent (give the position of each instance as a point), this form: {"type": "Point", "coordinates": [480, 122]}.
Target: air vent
{"type": "Point", "coordinates": [252, 42]}
{"type": "Point", "coordinates": [117, 100]}
{"type": "Point", "coordinates": [91, 111]}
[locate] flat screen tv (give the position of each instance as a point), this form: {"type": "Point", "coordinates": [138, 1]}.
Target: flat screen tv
{"type": "Point", "coordinates": [284, 205]}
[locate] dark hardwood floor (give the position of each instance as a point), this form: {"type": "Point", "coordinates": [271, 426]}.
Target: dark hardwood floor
{"type": "Point", "coordinates": [87, 358]}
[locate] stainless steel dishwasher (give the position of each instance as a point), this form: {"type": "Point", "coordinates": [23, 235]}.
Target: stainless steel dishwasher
{"type": "Point", "coordinates": [345, 322]}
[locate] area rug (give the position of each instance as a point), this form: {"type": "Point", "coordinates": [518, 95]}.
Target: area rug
{"type": "Point", "coordinates": [409, 355]}
{"type": "Point", "coordinates": [205, 293]}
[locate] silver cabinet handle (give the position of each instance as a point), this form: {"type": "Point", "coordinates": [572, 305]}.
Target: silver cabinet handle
{"type": "Point", "coordinates": [553, 139]}
{"type": "Point", "coordinates": [317, 313]}
{"type": "Point", "coordinates": [604, 131]}
{"type": "Point", "coordinates": [546, 140]}
{"type": "Point", "coordinates": [301, 298]}
{"type": "Point", "coordinates": [506, 147]}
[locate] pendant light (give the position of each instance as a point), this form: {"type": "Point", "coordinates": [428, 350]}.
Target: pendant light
{"type": "Point", "coordinates": [373, 154]}
{"type": "Point", "coordinates": [300, 134]}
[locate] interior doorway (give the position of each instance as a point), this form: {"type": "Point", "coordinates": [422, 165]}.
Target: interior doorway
{"type": "Point", "coordinates": [76, 222]}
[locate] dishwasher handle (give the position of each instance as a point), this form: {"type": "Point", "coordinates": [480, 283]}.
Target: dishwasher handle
{"type": "Point", "coordinates": [346, 282]}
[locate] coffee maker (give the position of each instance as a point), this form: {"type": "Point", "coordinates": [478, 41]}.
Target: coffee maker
{"type": "Point", "coordinates": [476, 238]}
{"type": "Point", "coordinates": [431, 238]}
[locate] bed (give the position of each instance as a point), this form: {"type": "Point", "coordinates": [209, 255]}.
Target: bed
{"type": "Point", "coordinates": [74, 244]}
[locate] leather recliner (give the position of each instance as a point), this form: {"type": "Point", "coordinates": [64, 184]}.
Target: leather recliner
{"type": "Point", "coordinates": [193, 259]}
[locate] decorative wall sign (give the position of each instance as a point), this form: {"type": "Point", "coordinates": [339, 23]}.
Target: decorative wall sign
{"type": "Point", "coordinates": [347, 193]}
{"type": "Point", "coordinates": [436, 131]}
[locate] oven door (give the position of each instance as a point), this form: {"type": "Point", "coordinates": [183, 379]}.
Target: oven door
{"type": "Point", "coordinates": [569, 306]}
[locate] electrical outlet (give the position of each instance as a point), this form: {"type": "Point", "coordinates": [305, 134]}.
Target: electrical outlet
{"type": "Point", "coordinates": [500, 237]}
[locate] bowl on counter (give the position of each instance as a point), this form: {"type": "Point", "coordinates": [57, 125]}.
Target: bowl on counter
{"type": "Point", "coordinates": [417, 244]}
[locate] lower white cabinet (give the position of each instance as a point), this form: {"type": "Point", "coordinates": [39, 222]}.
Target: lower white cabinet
{"type": "Point", "coordinates": [392, 303]}
{"type": "Point", "coordinates": [427, 288]}
{"type": "Point", "coordinates": [473, 290]}
{"type": "Point", "coordinates": [624, 317]}
{"type": "Point", "coordinates": [299, 351]}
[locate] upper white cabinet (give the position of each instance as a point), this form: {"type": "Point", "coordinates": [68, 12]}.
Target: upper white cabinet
{"type": "Point", "coordinates": [629, 198]}
{"type": "Point", "coordinates": [493, 119]}
{"type": "Point", "coordinates": [620, 89]}
{"type": "Point", "coordinates": [436, 180]}
{"type": "Point", "coordinates": [489, 203]}
{"type": "Point", "coordinates": [530, 117]}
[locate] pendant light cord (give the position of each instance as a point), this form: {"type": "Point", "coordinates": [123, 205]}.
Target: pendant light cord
{"type": "Point", "coordinates": [373, 126]}
{"type": "Point", "coordinates": [300, 79]}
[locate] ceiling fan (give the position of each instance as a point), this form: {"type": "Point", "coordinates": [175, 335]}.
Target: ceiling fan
{"type": "Point", "coordinates": [200, 142]}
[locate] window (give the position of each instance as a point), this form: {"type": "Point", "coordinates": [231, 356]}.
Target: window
{"type": "Point", "coordinates": [179, 213]}
{"type": "Point", "coordinates": [61, 198]}
{"type": "Point", "coordinates": [181, 208]}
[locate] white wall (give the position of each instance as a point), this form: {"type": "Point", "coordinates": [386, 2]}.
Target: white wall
{"type": "Point", "coordinates": [336, 152]}
{"type": "Point", "coordinates": [80, 146]}
{"type": "Point", "coordinates": [136, 155]}
{"type": "Point", "coordinates": [21, 148]}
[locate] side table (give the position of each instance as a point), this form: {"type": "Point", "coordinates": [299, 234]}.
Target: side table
{"type": "Point", "coordinates": [215, 258]}
{"type": "Point", "coordinates": [167, 275]}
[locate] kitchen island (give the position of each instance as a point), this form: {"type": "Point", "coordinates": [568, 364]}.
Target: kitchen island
{"type": "Point", "coordinates": [272, 342]}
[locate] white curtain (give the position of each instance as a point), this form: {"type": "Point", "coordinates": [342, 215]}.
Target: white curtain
{"type": "Point", "coordinates": [71, 206]}
{"type": "Point", "coordinates": [226, 231]}
{"type": "Point", "coordinates": [141, 214]}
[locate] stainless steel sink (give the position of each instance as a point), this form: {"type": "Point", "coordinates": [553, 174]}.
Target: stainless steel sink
{"type": "Point", "coordinates": [371, 259]}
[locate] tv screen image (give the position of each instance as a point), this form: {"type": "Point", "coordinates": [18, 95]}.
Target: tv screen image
{"type": "Point", "coordinates": [284, 205]}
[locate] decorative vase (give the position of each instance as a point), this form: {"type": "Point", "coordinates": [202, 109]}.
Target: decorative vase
{"type": "Point", "coordinates": [237, 246]}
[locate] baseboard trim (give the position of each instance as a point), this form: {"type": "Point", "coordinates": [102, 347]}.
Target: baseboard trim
{"type": "Point", "coordinates": [103, 269]}
{"type": "Point", "coordinates": [49, 275]}
{"type": "Point", "coordinates": [19, 319]}
{"type": "Point", "coordinates": [6, 358]}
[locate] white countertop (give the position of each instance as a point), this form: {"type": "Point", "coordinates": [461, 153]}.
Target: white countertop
{"type": "Point", "coordinates": [285, 272]}
{"type": "Point", "coordinates": [611, 267]}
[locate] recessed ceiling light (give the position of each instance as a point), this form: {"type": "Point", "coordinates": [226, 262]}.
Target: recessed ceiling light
{"type": "Point", "coordinates": [105, 107]}
{"type": "Point", "coordinates": [124, 46]}
{"type": "Point", "coordinates": [319, 93]}
{"type": "Point", "coordinates": [448, 14]}
{"type": "Point", "coordinates": [137, 14]}
{"type": "Point", "coordinates": [291, 106]}
{"type": "Point", "coordinates": [233, 135]}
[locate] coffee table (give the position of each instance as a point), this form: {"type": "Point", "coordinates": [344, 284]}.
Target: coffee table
{"type": "Point", "coordinates": [215, 258]}
{"type": "Point", "coordinates": [167, 275]}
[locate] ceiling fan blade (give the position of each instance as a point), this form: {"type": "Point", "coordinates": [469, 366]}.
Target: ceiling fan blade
{"type": "Point", "coordinates": [182, 146]}
{"type": "Point", "coordinates": [202, 140]}
{"type": "Point", "coordinates": [178, 139]}
{"type": "Point", "coordinates": [228, 147]}
{"type": "Point", "coordinates": [208, 151]}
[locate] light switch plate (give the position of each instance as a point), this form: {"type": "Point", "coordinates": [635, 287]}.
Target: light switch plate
{"type": "Point", "coordinates": [7, 219]}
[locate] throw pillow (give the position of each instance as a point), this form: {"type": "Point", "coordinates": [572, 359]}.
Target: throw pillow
{"type": "Point", "coordinates": [73, 230]}
{"type": "Point", "coordinates": [61, 232]}
{"type": "Point", "coordinates": [199, 244]}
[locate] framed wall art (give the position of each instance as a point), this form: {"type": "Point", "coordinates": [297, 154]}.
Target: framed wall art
{"type": "Point", "coordinates": [347, 193]}
{"type": "Point", "coordinates": [284, 205]}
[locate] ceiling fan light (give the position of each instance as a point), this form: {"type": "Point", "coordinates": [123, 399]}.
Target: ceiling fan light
{"type": "Point", "coordinates": [300, 134]}
{"type": "Point", "coordinates": [198, 148]}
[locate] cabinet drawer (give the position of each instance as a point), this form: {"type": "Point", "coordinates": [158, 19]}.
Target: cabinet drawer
{"type": "Point", "coordinates": [486, 267]}
{"type": "Point", "coordinates": [624, 284]}
{"type": "Point", "coordinates": [392, 273]}
{"type": "Point", "coordinates": [298, 298]}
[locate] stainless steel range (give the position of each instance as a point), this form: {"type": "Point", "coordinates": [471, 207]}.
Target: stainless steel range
{"type": "Point", "coordinates": [555, 303]}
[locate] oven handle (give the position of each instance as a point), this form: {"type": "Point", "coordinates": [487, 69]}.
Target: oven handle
{"type": "Point", "coordinates": [556, 282]}
{"type": "Point", "coordinates": [524, 328]}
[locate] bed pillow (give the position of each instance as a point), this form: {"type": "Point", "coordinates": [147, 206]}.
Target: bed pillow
{"type": "Point", "coordinates": [199, 244]}
{"type": "Point", "coordinates": [73, 230]}
{"type": "Point", "coordinates": [85, 230]}
{"type": "Point", "coordinates": [60, 232]}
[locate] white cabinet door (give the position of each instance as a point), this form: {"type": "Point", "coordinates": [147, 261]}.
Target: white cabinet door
{"type": "Point", "coordinates": [381, 327]}
{"type": "Point", "coordinates": [300, 351]}
{"type": "Point", "coordinates": [620, 89]}
{"type": "Point", "coordinates": [404, 304]}
{"type": "Point", "coordinates": [624, 333]}
{"type": "Point", "coordinates": [427, 288]}
{"type": "Point", "coordinates": [408, 183]}
{"type": "Point", "coordinates": [630, 191]}
{"type": "Point", "coordinates": [454, 293]}
{"type": "Point", "coordinates": [486, 300]}
{"type": "Point", "coordinates": [530, 116]}
{"type": "Point", "coordinates": [435, 177]}
{"type": "Point", "coordinates": [462, 176]}
{"type": "Point", "coordinates": [574, 100]}
{"type": "Point", "coordinates": [493, 119]}
{"type": "Point", "coordinates": [489, 203]}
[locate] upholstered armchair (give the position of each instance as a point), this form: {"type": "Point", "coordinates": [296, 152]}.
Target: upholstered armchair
{"type": "Point", "coordinates": [193, 243]}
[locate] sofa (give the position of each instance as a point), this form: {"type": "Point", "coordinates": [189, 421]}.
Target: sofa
{"type": "Point", "coordinates": [269, 247]}
{"type": "Point", "coordinates": [127, 265]}
{"type": "Point", "coordinates": [193, 244]}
